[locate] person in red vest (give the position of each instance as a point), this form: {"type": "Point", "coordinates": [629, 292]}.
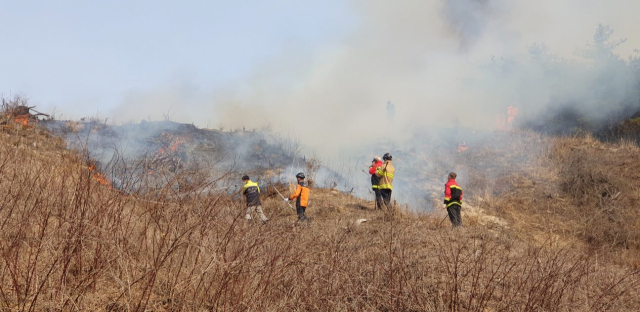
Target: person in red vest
{"type": "Point", "coordinates": [453, 200]}
{"type": "Point", "coordinates": [375, 180]}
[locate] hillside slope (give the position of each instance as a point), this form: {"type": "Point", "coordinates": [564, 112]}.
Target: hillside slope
{"type": "Point", "coordinates": [572, 189]}
{"type": "Point", "coordinates": [69, 242]}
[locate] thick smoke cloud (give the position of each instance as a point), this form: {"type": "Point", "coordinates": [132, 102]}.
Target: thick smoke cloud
{"type": "Point", "coordinates": [441, 63]}
{"type": "Point", "coordinates": [444, 64]}
{"type": "Point", "coordinates": [469, 18]}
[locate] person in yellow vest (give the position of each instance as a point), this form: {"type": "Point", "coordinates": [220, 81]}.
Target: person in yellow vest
{"type": "Point", "coordinates": [251, 191]}
{"type": "Point", "coordinates": [385, 173]}
{"type": "Point", "coordinates": [302, 195]}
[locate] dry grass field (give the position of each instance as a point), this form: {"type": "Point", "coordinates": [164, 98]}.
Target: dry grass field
{"type": "Point", "coordinates": [559, 234]}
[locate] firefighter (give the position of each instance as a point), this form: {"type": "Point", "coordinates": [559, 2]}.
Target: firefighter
{"type": "Point", "coordinates": [453, 200]}
{"type": "Point", "coordinates": [391, 111]}
{"type": "Point", "coordinates": [385, 174]}
{"type": "Point", "coordinates": [375, 181]}
{"type": "Point", "coordinates": [251, 191]}
{"type": "Point", "coordinates": [302, 195]}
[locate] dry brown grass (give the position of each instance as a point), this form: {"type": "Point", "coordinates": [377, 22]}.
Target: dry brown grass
{"type": "Point", "coordinates": [69, 243]}
{"type": "Point", "coordinates": [571, 190]}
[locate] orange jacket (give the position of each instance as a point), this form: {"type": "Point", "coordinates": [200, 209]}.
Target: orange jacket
{"type": "Point", "coordinates": [302, 194]}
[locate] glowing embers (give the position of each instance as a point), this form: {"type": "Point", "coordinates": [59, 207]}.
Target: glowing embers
{"type": "Point", "coordinates": [98, 176]}
{"type": "Point", "coordinates": [172, 147]}
{"type": "Point", "coordinates": [22, 119]}
{"type": "Point", "coordinates": [462, 147]}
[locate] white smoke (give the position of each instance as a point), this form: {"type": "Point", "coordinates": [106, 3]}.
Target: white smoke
{"type": "Point", "coordinates": [442, 63]}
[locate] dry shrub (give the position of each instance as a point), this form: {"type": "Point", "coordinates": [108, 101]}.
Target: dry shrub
{"type": "Point", "coordinates": [487, 273]}
{"type": "Point", "coordinates": [14, 106]}
{"type": "Point", "coordinates": [570, 188]}
{"type": "Point", "coordinates": [313, 165]}
{"type": "Point", "coordinates": [68, 242]}
{"type": "Point", "coordinates": [598, 190]}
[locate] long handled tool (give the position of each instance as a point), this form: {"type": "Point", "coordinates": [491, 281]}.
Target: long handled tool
{"type": "Point", "coordinates": [283, 197]}
{"type": "Point", "coordinates": [445, 217]}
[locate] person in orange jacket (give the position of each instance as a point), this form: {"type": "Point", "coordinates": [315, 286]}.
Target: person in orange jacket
{"type": "Point", "coordinates": [302, 195]}
{"type": "Point", "coordinates": [375, 180]}
{"type": "Point", "coordinates": [453, 200]}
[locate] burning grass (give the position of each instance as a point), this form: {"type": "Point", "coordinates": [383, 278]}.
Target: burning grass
{"type": "Point", "coordinates": [70, 243]}
{"type": "Point", "coordinates": [15, 111]}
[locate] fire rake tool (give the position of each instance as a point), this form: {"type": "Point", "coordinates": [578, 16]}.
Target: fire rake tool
{"type": "Point", "coordinates": [283, 197]}
{"type": "Point", "coordinates": [445, 217]}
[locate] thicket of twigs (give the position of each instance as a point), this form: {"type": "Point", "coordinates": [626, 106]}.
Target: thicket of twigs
{"type": "Point", "coordinates": [69, 242]}
{"type": "Point", "coordinates": [575, 188]}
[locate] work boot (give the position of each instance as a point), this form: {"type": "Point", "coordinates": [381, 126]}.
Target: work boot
{"type": "Point", "coordinates": [303, 218]}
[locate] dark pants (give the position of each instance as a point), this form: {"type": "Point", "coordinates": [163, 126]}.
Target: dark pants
{"type": "Point", "coordinates": [378, 198]}
{"type": "Point", "coordinates": [454, 215]}
{"type": "Point", "coordinates": [386, 198]}
{"type": "Point", "coordinates": [301, 216]}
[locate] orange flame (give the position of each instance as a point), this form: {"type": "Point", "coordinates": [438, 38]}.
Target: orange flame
{"type": "Point", "coordinates": [512, 112]}
{"type": "Point", "coordinates": [462, 147]}
{"type": "Point", "coordinates": [99, 176]}
{"type": "Point", "coordinates": [505, 122]}
{"type": "Point", "coordinates": [173, 147]}
{"type": "Point", "coordinates": [23, 120]}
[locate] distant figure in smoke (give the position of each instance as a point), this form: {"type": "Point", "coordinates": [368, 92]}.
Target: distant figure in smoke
{"type": "Point", "coordinates": [251, 191]}
{"type": "Point", "coordinates": [375, 180]}
{"type": "Point", "coordinates": [302, 195]}
{"type": "Point", "coordinates": [391, 111]}
{"type": "Point", "coordinates": [453, 200]}
{"type": "Point", "coordinates": [385, 174]}
{"type": "Point", "coordinates": [512, 113]}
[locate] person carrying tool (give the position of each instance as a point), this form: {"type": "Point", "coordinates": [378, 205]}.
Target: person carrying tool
{"type": "Point", "coordinates": [453, 200]}
{"type": "Point", "coordinates": [302, 195]}
{"type": "Point", "coordinates": [385, 174]}
{"type": "Point", "coordinates": [251, 191]}
{"type": "Point", "coordinates": [375, 181]}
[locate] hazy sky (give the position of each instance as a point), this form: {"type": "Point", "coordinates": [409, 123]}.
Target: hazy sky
{"type": "Point", "coordinates": [332, 64]}
{"type": "Point", "coordinates": [85, 57]}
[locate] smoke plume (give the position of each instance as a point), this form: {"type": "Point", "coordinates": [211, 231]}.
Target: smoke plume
{"type": "Point", "coordinates": [443, 64]}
